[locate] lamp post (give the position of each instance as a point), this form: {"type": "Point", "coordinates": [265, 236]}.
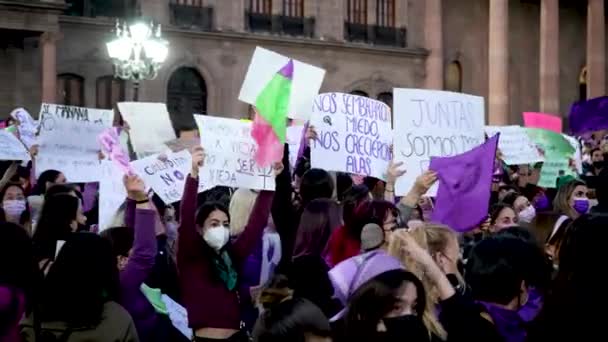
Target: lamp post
{"type": "Point", "coordinates": [137, 51]}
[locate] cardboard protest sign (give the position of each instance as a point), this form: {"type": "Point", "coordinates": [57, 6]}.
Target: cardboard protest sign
{"type": "Point", "coordinates": [11, 148]}
{"type": "Point", "coordinates": [431, 123]}
{"type": "Point", "coordinates": [68, 141]}
{"type": "Point", "coordinates": [167, 176]}
{"type": "Point", "coordinates": [542, 120]}
{"type": "Point", "coordinates": [294, 138]}
{"type": "Point", "coordinates": [559, 155]}
{"type": "Point", "coordinates": [109, 140]}
{"type": "Point", "coordinates": [150, 126]}
{"type": "Point", "coordinates": [307, 80]}
{"type": "Point", "coordinates": [112, 193]}
{"type": "Point", "coordinates": [354, 134]}
{"type": "Point", "coordinates": [27, 126]}
{"type": "Point", "coordinates": [515, 145]}
{"type": "Point", "coordinates": [230, 153]}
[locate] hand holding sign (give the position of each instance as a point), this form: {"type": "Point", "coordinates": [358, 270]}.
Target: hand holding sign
{"type": "Point", "coordinates": [198, 160]}
{"type": "Point", "coordinates": [136, 189]}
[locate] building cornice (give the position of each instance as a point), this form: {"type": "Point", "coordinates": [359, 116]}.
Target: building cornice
{"type": "Point", "coordinates": [29, 5]}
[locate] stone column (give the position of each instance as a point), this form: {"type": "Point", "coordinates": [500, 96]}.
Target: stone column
{"type": "Point", "coordinates": [596, 49]}
{"type": "Point", "coordinates": [48, 43]}
{"type": "Point", "coordinates": [498, 99]}
{"type": "Point", "coordinates": [433, 36]}
{"type": "Point", "coordinates": [549, 56]}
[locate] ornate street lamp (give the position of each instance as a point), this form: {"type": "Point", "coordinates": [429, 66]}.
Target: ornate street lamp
{"type": "Point", "coordinates": [137, 51]}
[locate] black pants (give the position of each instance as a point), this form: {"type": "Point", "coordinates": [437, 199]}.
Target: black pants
{"type": "Point", "coordinates": [240, 336]}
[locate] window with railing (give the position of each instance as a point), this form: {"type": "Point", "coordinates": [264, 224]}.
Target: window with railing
{"type": "Point", "coordinates": [102, 8]}
{"type": "Point", "coordinates": [191, 14]}
{"type": "Point", "coordinates": [385, 13]}
{"type": "Point", "coordinates": [383, 32]}
{"type": "Point", "coordinates": [356, 21]}
{"type": "Point", "coordinates": [293, 21]}
{"type": "Point", "coordinates": [70, 90]}
{"type": "Point", "coordinates": [259, 16]}
{"type": "Point", "coordinates": [110, 90]}
{"type": "Point", "coordinates": [293, 8]}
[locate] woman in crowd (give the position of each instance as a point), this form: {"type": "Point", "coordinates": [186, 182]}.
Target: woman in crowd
{"type": "Point", "coordinates": [502, 216]}
{"type": "Point", "coordinates": [319, 219]}
{"type": "Point", "coordinates": [46, 179]}
{"type": "Point", "coordinates": [14, 207]}
{"type": "Point", "coordinates": [58, 219]}
{"type": "Point", "coordinates": [571, 202]}
{"type": "Point", "coordinates": [345, 242]}
{"type": "Point", "coordinates": [208, 261]}
{"type": "Point", "coordinates": [18, 278]}
{"type": "Point", "coordinates": [78, 298]}
{"type": "Point", "coordinates": [260, 265]}
{"type": "Point", "coordinates": [287, 317]}
{"type": "Point", "coordinates": [572, 310]}
{"type": "Point", "coordinates": [521, 205]}
{"type": "Point", "coordinates": [351, 199]}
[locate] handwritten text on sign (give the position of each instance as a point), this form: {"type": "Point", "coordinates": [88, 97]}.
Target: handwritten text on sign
{"type": "Point", "coordinates": [11, 148]}
{"type": "Point", "coordinates": [167, 176]}
{"type": "Point", "coordinates": [354, 134]}
{"type": "Point", "coordinates": [433, 123]}
{"type": "Point", "coordinates": [230, 150]}
{"type": "Point", "coordinates": [68, 141]}
{"type": "Point", "coordinates": [515, 145]}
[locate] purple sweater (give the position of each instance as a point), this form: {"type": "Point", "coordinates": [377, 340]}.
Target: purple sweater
{"type": "Point", "coordinates": [137, 270]}
{"type": "Point", "coordinates": [209, 303]}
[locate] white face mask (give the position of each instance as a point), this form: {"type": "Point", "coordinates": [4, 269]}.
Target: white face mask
{"type": "Point", "coordinates": [217, 237]}
{"type": "Point", "coordinates": [14, 208]}
{"type": "Point", "coordinates": [527, 215]}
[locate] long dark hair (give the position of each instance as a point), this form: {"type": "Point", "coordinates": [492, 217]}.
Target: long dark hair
{"type": "Point", "coordinates": [26, 215]}
{"type": "Point", "coordinates": [81, 280]}
{"type": "Point", "coordinates": [57, 214]}
{"type": "Point", "coordinates": [49, 176]}
{"type": "Point", "coordinates": [351, 200]}
{"type": "Point", "coordinates": [318, 221]}
{"type": "Point", "coordinates": [316, 183]}
{"type": "Point", "coordinates": [375, 299]}
{"type": "Point", "coordinates": [18, 271]}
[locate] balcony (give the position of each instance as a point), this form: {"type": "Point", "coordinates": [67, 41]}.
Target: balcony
{"type": "Point", "coordinates": [102, 8]}
{"type": "Point", "coordinates": [374, 34]}
{"type": "Point", "coordinates": [192, 17]}
{"type": "Point", "coordinates": [280, 24]}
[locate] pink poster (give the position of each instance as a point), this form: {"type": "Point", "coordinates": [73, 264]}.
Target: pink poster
{"type": "Point", "coordinates": [549, 122]}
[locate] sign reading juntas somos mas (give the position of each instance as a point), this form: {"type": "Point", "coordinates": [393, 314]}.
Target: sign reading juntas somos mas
{"type": "Point", "coordinates": [68, 141]}
{"type": "Point", "coordinates": [433, 123]}
{"type": "Point", "coordinates": [354, 134]}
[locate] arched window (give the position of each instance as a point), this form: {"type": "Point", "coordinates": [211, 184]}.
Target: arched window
{"type": "Point", "coordinates": [582, 84]}
{"type": "Point", "coordinates": [453, 77]}
{"type": "Point", "coordinates": [70, 90]}
{"type": "Point", "coordinates": [386, 97]}
{"type": "Point", "coordinates": [359, 92]}
{"type": "Point", "coordinates": [110, 90]}
{"type": "Point", "coordinates": [385, 13]}
{"type": "Point", "coordinates": [186, 95]}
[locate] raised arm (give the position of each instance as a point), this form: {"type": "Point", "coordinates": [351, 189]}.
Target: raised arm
{"type": "Point", "coordinates": [421, 186]}
{"type": "Point", "coordinates": [187, 245]}
{"type": "Point", "coordinates": [8, 174]}
{"type": "Point", "coordinates": [283, 210]}
{"type": "Point", "coordinates": [393, 173]}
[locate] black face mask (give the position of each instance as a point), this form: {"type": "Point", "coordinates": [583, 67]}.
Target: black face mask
{"type": "Point", "coordinates": [404, 328]}
{"type": "Point", "coordinates": [598, 164]}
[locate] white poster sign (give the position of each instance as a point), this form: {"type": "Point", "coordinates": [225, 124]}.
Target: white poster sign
{"type": "Point", "coordinates": [68, 141]}
{"type": "Point", "coordinates": [578, 158]}
{"type": "Point", "coordinates": [112, 193]}
{"type": "Point", "coordinates": [150, 126]}
{"type": "Point", "coordinates": [166, 176]}
{"type": "Point", "coordinates": [11, 148]}
{"type": "Point", "coordinates": [430, 123]}
{"type": "Point", "coordinates": [515, 145]}
{"type": "Point", "coordinates": [294, 138]}
{"type": "Point", "coordinates": [27, 126]}
{"type": "Point", "coordinates": [265, 64]}
{"type": "Point", "coordinates": [230, 153]}
{"type": "Point", "coordinates": [354, 135]}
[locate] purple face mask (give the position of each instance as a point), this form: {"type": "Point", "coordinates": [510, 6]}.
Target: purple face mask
{"type": "Point", "coordinates": [581, 205]}
{"type": "Point", "coordinates": [541, 203]}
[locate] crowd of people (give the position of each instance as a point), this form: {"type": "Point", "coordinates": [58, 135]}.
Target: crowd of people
{"type": "Point", "coordinates": [325, 257]}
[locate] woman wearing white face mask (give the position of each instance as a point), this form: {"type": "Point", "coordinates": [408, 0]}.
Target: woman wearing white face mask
{"type": "Point", "coordinates": [523, 208]}
{"type": "Point", "coordinates": [13, 206]}
{"type": "Point", "coordinates": [207, 261]}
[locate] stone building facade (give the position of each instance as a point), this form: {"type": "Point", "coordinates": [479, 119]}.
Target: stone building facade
{"type": "Point", "coordinates": [520, 55]}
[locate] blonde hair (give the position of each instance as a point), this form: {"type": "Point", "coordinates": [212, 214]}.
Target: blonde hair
{"type": "Point", "coordinates": [429, 317]}
{"type": "Point", "coordinates": [240, 209]}
{"type": "Point", "coordinates": [561, 203]}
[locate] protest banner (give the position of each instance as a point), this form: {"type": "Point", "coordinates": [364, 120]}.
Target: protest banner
{"type": "Point", "coordinates": [150, 126]}
{"type": "Point", "coordinates": [165, 176]}
{"type": "Point", "coordinates": [11, 148]}
{"type": "Point", "coordinates": [230, 151]}
{"type": "Point", "coordinates": [294, 138]}
{"type": "Point", "coordinates": [27, 126]}
{"type": "Point", "coordinates": [109, 140]}
{"type": "Point", "coordinates": [515, 145]}
{"type": "Point", "coordinates": [353, 134]}
{"type": "Point", "coordinates": [112, 193]}
{"type": "Point", "coordinates": [68, 141]}
{"type": "Point", "coordinates": [307, 80]}
{"type": "Point", "coordinates": [430, 123]}
{"type": "Point", "coordinates": [559, 155]}
{"type": "Point", "coordinates": [542, 120]}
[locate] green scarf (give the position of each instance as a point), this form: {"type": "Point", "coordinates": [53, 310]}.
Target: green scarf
{"type": "Point", "coordinates": [225, 270]}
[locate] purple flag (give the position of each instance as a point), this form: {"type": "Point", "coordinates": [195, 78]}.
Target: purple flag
{"type": "Point", "coordinates": [589, 116]}
{"type": "Point", "coordinates": [465, 183]}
